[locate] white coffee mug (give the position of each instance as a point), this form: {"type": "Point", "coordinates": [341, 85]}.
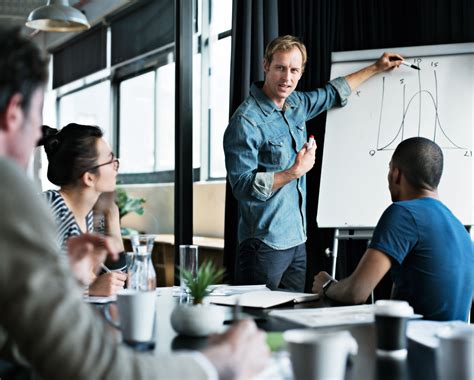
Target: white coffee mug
{"type": "Point", "coordinates": [455, 354]}
{"type": "Point", "coordinates": [319, 355]}
{"type": "Point", "coordinates": [137, 315]}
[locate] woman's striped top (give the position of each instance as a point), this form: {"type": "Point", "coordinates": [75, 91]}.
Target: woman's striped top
{"type": "Point", "coordinates": [65, 220]}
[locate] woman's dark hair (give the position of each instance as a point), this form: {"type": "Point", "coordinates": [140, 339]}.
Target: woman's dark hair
{"type": "Point", "coordinates": [71, 151]}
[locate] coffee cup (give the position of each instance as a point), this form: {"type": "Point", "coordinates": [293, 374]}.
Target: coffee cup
{"type": "Point", "coordinates": [455, 354]}
{"type": "Point", "coordinates": [136, 318]}
{"type": "Point", "coordinates": [318, 355]}
{"type": "Point", "coordinates": [391, 323]}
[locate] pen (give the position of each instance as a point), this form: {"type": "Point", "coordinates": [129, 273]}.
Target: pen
{"type": "Point", "coordinates": [405, 63]}
{"type": "Point", "coordinates": [311, 141]}
{"type": "Point", "coordinates": [410, 65]}
{"type": "Point", "coordinates": [102, 265]}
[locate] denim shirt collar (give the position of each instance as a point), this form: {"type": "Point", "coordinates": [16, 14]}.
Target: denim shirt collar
{"type": "Point", "coordinates": [266, 105]}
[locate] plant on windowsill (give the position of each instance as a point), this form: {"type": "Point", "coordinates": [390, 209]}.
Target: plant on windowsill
{"type": "Point", "coordinates": [127, 205]}
{"type": "Point", "coordinates": [199, 318]}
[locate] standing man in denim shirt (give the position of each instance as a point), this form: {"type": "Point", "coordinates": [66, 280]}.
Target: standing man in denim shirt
{"type": "Point", "coordinates": [267, 157]}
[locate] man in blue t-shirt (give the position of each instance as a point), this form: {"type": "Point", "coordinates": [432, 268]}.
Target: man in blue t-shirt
{"type": "Point", "coordinates": [427, 249]}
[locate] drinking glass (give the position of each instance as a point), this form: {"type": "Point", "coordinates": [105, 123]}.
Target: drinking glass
{"type": "Point", "coordinates": [188, 260]}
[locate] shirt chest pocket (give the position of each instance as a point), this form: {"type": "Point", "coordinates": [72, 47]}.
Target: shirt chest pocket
{"type": "Point", "coordinates": [300, 135]}
{"type": "Point", "coordinates": [279, 147]}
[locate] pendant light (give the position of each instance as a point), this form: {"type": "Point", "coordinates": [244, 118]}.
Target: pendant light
{"type": "Point", "coordinates": [57, 16]}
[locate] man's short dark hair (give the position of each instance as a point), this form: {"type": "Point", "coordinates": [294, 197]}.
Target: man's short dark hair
{"type": "Point", "coordinates": [421, 162]}
{"type": "Point", "coordinates": [23, 68]}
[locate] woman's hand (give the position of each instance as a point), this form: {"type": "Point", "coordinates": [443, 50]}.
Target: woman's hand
{"type": "Point", "coordinates": [88, 251]}
{"type": "Point", "coordinates": [106, 205]}
{"type": "Point", "coordinates": [108, 284]}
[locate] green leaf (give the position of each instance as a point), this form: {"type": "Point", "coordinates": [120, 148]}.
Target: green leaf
{"type": "Point", "coordinates": [128, 204]}
{"type": "Point", "coordinates": [198, 286]}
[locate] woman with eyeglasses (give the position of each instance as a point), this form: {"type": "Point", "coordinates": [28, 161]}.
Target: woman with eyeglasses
{"type": "Point", "coordinates": [84, 168]}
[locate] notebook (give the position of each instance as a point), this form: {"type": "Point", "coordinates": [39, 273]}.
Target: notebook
{"type": "Point", "coordinates": [264, 299]}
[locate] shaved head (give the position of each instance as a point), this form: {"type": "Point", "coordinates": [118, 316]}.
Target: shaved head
{"type": "Point", "coordinates": [421, 162]}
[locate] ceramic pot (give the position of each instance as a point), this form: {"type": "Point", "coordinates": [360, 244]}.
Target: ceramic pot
{"type": "Point", "coordinates": [197, 320]}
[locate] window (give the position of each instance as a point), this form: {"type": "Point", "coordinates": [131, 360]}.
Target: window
{"type": "Point", "coordinates": [219, 105]}
{"type": "Point", "coordinates": [136, 121]}
{"type": "Point", "coordinates": [219, 82]}
{"type": "Point", "coordinates": [197, 106]}
{"type": "Point", "coordinates": [147, 120]}
{"type": "Point", "coordinates": [221, 16]}
{"type": "Point", "coordinates": [139, 119]}
{"type": "Point", "coordinates": [165, 117]}
{"type": "Point", "coordinates": [90, 106]}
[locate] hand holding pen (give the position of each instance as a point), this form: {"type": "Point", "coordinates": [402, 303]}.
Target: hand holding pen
{"type": "Point", "coordinates": [105, 268]}
{"type": "Point", "coordinates": [403, 62]}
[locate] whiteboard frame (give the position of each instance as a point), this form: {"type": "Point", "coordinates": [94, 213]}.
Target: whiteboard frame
{"type": "Point", "coordinates": [407, 52]}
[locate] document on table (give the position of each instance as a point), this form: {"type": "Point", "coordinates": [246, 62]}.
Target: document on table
{"type": "Point", "coordinates": [230, 290]}
{"type": "Point", "coordinates": [426, 332]}
{"type": "Point", "coordinates": [226, 290]}
{"type": "Point", "coordinates": [328, 316]}
{"type": "Point", "coordinates": [264, 298]}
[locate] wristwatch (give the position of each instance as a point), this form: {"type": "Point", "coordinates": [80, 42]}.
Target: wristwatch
{"type": "Point", "coordinates": [327, 284]}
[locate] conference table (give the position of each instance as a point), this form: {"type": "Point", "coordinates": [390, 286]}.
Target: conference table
{"type": "Point", "coordinates": [365, 365]}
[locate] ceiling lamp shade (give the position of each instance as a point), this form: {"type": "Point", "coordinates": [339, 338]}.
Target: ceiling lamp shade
{"type": "Point", "coordinates": [57, 16]}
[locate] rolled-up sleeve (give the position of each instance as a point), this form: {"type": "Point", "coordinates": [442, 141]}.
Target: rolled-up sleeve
{"type": "Point", "coordinates": [342, 88]}
{"type": "Point", "coordinates": [241, 144]}
{"type": "Point", "coordinates": [262, 185]}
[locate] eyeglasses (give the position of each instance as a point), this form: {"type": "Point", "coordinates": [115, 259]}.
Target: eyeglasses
{"type": "Point", "coordinates": [114, 161]}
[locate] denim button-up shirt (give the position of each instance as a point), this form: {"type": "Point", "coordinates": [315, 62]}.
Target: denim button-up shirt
{"type": "Point", "coordinates": [261, 140]}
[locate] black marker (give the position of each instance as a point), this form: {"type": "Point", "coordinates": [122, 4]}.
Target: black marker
{"type": "Point", "coordinates": [405, 64]}
{"type": "Point", "coordinates": [412, 66]}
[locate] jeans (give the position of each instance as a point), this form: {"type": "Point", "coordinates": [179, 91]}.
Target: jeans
{"type": "Point", "coordinates": [257, 263]}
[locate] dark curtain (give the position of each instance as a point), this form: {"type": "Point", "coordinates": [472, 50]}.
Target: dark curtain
{"type": "Point", "coordinates": [341, 25]}
{"type": "Point", "coordinates": [254, 25]}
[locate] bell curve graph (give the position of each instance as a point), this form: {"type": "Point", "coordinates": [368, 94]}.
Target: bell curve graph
{"type": "Point", "coordinates": [436, 102]}
{"type": "Point", "coordinates": [420, 111]}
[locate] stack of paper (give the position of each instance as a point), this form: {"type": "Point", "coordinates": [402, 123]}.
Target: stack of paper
{"type": "Point", "coordinates": [328, 316]}
{"type": "Point", "coordinates": [264, 298]}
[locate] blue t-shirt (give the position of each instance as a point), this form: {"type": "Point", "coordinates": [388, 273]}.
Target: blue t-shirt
{"type": "Point", "coordinates": [432, 257]}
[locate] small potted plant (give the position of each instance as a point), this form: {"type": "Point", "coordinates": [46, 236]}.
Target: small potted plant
{"type": "Point", "coordinates": [126, 205]}
{"type": "Point", "coordinates": [199, 318]}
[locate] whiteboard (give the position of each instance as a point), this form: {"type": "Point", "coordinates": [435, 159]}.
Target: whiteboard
{"type": "Point", "coordinates": [436, 102]}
